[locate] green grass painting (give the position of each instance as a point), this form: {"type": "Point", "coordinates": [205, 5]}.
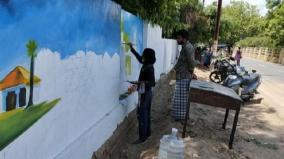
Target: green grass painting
{"type": "Point", "coordinates": [14, 123]}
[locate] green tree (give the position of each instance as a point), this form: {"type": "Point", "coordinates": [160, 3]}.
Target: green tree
{"type": "Point", "coordinates": [173, 15]}
{"type": "Point", "coordinates": [270, 4]}
{"type": "Point", "coordinates": [31, 50]}
{"type": "Point", "coordinates": [240, 20]}
{"type": "Point", "coordinates": [193, 15]}
{"type": "Point", "coordinates": [275, 26]}
{"type": "Point", "coordinates": [166, 13]}
{"type": "Point", "coordinates": [256, 41]}
{"type": "Point", "coordinates": [272, 26]}
{"type": "Point", "coordinates": [270, 32]}
{"type": "Point", "coordinates": [211, 13]}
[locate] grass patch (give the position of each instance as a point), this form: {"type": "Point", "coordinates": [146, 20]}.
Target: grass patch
{"type": "Point", "coordinates": [8, 114]}
{"type": "Point", "coordinates": [14, 123]}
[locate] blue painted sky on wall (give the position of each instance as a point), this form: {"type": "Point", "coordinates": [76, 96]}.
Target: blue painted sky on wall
{"type": "Point", "coordinates": [133, 26]}
{"type": "Point", "coordinates": [65, 26]}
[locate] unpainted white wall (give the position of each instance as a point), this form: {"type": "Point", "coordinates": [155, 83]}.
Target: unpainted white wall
{"type": "Point", "coordinates": [166, 49]}
{"type": "Point", "coordinates": [170, 54]}
{"type": "Point", "coordinates": [155, 41]}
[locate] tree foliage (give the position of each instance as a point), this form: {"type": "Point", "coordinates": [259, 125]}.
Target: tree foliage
{"type": "Point", "coordinates": [198, 22]}
{"type": "Point", "coordinates": [272, 27]}
{"type": "Point", "coordinates": [271, 4]}
{"type": "Point", "coordinates": [275, 25]}
{"type": "Point", "coordinates": [257, 41]}
{"type": "Point", "coordinates": [166, 13]}
{"type": "Point", "coordinates": [172, 15]}
{"type": "Point", "coordinates": [239, 20]}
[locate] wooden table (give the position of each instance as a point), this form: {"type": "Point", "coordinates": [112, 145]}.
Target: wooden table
{"type": "Point", "coordinates": [215, 95]}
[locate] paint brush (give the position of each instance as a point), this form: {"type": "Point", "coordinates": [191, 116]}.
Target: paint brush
{"type": "Point", "coordinates": [128, 44]}
{"type": "Point", "coordinates": [133, 82]}
{"type": "Point", "coordinates": [129, 81]}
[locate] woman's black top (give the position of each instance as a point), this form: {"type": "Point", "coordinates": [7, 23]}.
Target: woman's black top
{"type": "Point", "coordinates": [147, 72]}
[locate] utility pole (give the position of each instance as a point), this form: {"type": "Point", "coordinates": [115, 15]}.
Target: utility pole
{"type": "Point", "coordinates": [217, 26]}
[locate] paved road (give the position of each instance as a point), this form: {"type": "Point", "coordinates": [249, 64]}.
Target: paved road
{"type": "Point", "coordinates": [272, 87]}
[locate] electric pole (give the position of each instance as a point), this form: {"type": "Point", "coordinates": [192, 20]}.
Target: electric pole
{"type": "Point", "coordinates": [217, 26]}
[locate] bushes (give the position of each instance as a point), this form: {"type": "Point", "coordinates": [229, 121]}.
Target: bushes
{"type": "Point", "coordinates": [258, 41]}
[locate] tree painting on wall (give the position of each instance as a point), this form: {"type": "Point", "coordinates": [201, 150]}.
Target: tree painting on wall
{"type": "Point", "coordinates": [31, 48]}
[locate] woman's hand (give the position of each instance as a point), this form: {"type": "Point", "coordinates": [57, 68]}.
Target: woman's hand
{"type": "Point", "coordinates": [172, 74]}
{"type": "Point", "coordinates": [135, 82]}
{"type": "Point", "coordinates": [130, 45]}
{"type": "Point", "coordinates": [194, 76]}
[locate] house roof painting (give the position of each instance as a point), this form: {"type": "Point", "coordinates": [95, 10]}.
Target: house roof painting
{"type": "Point", "coordinates": [16, 77]}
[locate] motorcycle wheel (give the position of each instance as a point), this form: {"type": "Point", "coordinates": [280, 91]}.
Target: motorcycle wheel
{"type": "Point", "coordinates": [215, 77]}
{"type": "Point", "coordinates": [247, 98]}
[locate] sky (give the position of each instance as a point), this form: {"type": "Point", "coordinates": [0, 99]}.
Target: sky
{"type": "Point", "coordinates": [62, 26]}
{"type": "Point", "coordinates": [259, 3]}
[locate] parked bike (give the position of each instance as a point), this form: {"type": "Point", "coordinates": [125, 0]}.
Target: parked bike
{"type": "Point", "coordinates": [222, 69]}
{"type": "Point", "coordinates": [244, 83]}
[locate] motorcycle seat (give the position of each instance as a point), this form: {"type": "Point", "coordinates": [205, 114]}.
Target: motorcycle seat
{"type": "Point", "coordinates": [252, 77]}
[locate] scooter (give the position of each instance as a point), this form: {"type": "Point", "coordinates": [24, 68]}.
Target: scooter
{"type": "Point", "coordinates": [247, 82]}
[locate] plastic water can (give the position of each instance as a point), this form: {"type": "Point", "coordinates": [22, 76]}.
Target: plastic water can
{"type": "Point", "coordinates": [171, 147]}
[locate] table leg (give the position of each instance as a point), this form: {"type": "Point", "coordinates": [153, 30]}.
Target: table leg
{"type": "Point", "coordinates": [234, 128]}
{"type": "Point", "coordinates": [225, 119]}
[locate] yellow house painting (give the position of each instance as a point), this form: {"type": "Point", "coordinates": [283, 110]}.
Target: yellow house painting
{"type": "Point", "coordinates": [14, 89]}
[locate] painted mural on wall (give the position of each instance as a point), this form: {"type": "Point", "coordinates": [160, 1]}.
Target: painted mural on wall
{"type": "Point", "coordinates": [18, 109]}
{"type": "Point", "coordinates": [78, 53]}
{"type": "Point", "coordinates": [131, 31]}
{"type": "Point", "coordinates": [14, 88]}
{"type": "Point", "coordinates": [62, 26]}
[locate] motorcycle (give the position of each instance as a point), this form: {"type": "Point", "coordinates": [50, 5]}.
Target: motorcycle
{"type": "Point", "coordinates": [247, 82]}
{"type": "Point", "coordinates": [222, 69]}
